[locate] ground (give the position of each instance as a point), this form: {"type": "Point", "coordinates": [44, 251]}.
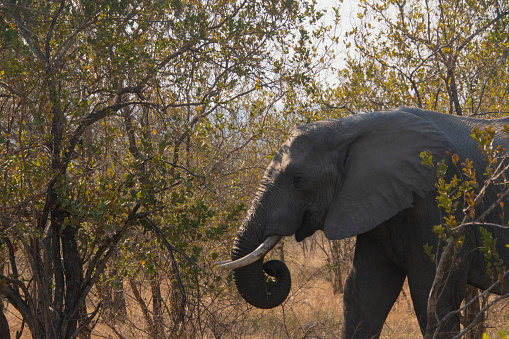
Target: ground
{"type": "Point", "coordinates": [311, 311]}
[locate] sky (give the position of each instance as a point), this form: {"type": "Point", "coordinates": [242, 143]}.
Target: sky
{"type": "Point", "coordinates": [348, 10]}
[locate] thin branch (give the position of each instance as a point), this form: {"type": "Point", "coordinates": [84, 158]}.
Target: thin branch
{"type": "Point", "coordinates": [52, 26]}
{"type": "Point", "coordinates": [98, 263]}
{"type": "Point", "coordinates": [11, 89]}
{"type": "Point", "coordinates": [44, 191]}
{"type": "Point", "coordinates": [433, 324]}
{"type": "Point", "coordinates": [487, 184]}
{"type": "Point", "coordinates": [330, 106]}
{"type": "Point", "coordinates": [96, 116]}
{"type": "Point", "coordinates": [109, 243]}
{"type": "Point", "coordinates": [477, 223]}
{"type": "Point", "coordinates": [15, 299]}
{"type": "Point", "coordinates": [144, 309]}
{"type": "Point", "coordinates": [468, 304]}
{"type": "Point", "coordinates": [479, 314]}
{"type": "Point", "coordinates": [26, 9]}
{"type": "Point", "coordinates": [66, 45]}
{"type": "Point", "coordinates": [27, 33]}
{"type": "Point", "coordinates": [204, 178]}
{"type": "Point", "coordinates": [481, 29]}
{"type": "Point", "coordinates": [176, 269]}
{"type": "Point", "coordinates": [166, 243]}
{"type": "Point", "coordinates": [87, 321]}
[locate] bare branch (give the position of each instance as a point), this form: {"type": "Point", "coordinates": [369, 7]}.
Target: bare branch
{"type": "Point", "coordinates": [176, 269]}
{"type": "Point", "coordinates": [51, 27]}
{"type": "Point", "coordinates": [328, 105]}
{"type": "Point", "coordinates": [492, 22]}
{"type": "Point", "coordinates": [189, 172]}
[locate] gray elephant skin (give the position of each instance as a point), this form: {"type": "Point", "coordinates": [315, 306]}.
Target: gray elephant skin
{"type": "Point", "coordinates": [362, 176]}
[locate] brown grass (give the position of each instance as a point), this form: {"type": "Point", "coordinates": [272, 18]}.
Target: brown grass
{"type": "Point", "coordinates": [311, 311]}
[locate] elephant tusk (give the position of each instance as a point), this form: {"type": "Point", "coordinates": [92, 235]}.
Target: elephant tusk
{"type": "Point", "coordinates": [258, 253]}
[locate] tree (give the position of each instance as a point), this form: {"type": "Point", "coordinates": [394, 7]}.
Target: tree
{"type": "Point", "coordinates": [445, 55]}
{"type": "Point", "coordinates": [120, 117]}
{"type": "Point", "coordinates": [461, 193]}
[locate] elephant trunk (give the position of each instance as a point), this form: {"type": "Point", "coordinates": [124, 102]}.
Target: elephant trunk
{"type": "Point", "coordinates": [254, 286]}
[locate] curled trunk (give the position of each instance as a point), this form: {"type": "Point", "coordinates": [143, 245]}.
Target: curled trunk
{"type": "Point", "coordinates": [263, 285]}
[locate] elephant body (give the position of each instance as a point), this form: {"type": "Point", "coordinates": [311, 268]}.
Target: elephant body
{"type": "Point", "coordinates": [362, 176]}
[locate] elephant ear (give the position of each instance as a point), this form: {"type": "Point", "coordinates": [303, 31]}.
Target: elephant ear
{"type": "Point", "coordinates": [383, 169]}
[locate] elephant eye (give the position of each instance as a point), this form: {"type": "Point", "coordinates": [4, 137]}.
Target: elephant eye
{"type": "Point", "coordinates": [297, 182]}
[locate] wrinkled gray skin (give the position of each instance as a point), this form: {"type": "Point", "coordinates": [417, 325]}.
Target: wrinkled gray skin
{"type": "Point", "coordinates": [362, 176]}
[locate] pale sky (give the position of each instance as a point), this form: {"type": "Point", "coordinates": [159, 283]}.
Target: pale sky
{"type": "Point", "coordinates": [348, 10]}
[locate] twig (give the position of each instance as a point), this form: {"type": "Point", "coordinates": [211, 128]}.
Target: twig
{"type": "Point", "coordinates": [474, 322]}
{"type": "Point", "coordinates": [87, 321]}
{"type": "Point", "coordinates": [189, 172]}
{"type": "Point", "coordinates": [433, 322]}
{"type": "Point", "coordinates": [166, 243]}
{"type": "Point", "coordinates": [328, 105]}
{"type": "Point", "coordinates": [476, 319]}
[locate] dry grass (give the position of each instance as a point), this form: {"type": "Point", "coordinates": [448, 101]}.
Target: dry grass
{"type": "Point", "coordinates": [311, 311]}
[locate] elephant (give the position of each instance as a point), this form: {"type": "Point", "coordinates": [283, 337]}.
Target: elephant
{"type": "Point", "coordinates": [362, 175]}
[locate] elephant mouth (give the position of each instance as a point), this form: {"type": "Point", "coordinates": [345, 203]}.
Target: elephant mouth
{"type": "Point", "coordinates": [311, 222]}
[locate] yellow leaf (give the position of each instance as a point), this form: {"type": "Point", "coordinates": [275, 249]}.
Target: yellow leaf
{"type": "Point", "coordinates": [455, 159]}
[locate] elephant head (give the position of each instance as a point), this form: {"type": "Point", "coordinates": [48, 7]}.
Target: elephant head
{"type": "Point", "coordinates": [344, 177]}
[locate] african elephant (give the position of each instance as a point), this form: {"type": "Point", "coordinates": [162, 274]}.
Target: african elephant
{"type": "Point", "coordinates": [363, 176]}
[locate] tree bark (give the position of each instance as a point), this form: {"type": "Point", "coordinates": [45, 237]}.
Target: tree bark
{"type": "Point", "coordinates": [337, 278]}
{"type": "Point", "coordinates": [471, 312]}
{"type": "Point", "coordinates": [119, 306]}
{"type": "Point", "coordinates": [157, 305]}
{"type": "Point", "coordinates": [4, 324]}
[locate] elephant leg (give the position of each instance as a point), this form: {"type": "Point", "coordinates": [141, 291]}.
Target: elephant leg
{"type": "Point", "coordinates": [371, 289]}
{"type": "Point", "coordinates": [451, 296]}
{"type": "Point", "coordinates": [420, 286]}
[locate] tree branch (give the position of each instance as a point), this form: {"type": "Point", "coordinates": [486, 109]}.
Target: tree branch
{"type": "Point", "coordinates": [27, 33]}
{"type": "Point", "coordinates": [51, 27]}
{"type": "Point", "coordinates": [480, 30]}
{"type": "Point", "coordinates": [176, 269]}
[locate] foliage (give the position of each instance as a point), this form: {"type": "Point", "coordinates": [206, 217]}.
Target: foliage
{"type": "Point", "coordinates": [460, 196]}
{"type": "Point", "coordinates": [132, 134]}
{"type": "Point", "coordinates": [501, 335]}
{"type": "Point", "coordinates": [130, 129]}
{"type": "Point", "coordinates": [449, 56]}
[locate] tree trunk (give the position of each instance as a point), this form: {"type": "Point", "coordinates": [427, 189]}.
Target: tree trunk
{"type": "Point", "coordinates": [119, 305]}
{"type": "Point", "coordinates": [4, 325]}
{"type": "Point", "coordinates": [177, 313]}
{"type": "Point", "coordinates": [144, 309]}
{"type": "Point", "coordinates": [74, 281]}
{"type": "Point", "coordinates": [337, 278]}
{"type": "Point", "coordinates": [86, 331]}
{"type": "Point", "coordinates": [157, 305]}
{"type": "Point", "coordinates": [471, 312]}
{"type": "Point", "coordinates": [281, 251]}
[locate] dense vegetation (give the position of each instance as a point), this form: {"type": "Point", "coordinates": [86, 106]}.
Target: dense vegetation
{"type": "Point", "coordinates": [133, 135]}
